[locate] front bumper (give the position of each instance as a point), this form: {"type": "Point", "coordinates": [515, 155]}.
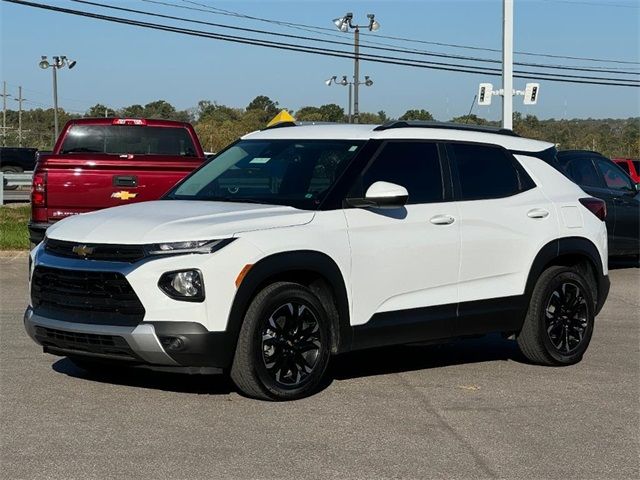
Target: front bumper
{"type": "Point", "coordinates": [148, 343]}
{"type": "Point", "coordinates": [37, 231]}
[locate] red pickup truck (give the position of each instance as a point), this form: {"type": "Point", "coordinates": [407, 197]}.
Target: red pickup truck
{"type": "Point", "coordinates": [103, 162]}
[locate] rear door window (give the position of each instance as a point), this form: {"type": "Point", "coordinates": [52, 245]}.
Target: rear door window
{"type": "Point", "coordinates": [486, 171]}
{"type": "Point", "coordinates": [129, 139]}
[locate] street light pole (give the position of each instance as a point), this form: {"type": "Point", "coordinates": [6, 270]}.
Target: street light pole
{"type": "Point", "coordinates": [356, 74]}
{"type": "Point", "coordinates": [350, 118]}
{"type": "Point", "coordinates": [58, 62]}
{"type": "Point", "coordinates": [344, 24]}
{"type": "Point", "coordinates": [352, 86]}
{"type": "Point", "coordinates": [507, 64]}
{"type": "Point", "coordinates": [55, 103]}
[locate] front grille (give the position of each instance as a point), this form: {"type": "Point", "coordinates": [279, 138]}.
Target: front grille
{"type": "Point", "coordinates": [111, 345]}
{"type": "Point", "coordinates": [85, 296]}
{"type": "Point", "coordinates": [96, 251]}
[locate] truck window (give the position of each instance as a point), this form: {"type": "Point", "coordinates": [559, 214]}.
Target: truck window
{"type": "Point", "coordinates": [128, 139]}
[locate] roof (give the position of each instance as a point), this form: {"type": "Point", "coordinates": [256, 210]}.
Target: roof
{"type": "Point", "coordinates": [444, 132]}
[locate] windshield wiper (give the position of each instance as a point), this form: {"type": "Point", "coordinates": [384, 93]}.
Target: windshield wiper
{"type": "Point", "coordinates": [237, 200]}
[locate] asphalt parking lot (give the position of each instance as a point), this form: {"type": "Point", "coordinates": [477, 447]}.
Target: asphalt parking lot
{"type": "Point", "coordinates": [472, 409]}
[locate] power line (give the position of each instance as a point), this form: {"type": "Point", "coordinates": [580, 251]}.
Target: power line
{"type": "Point", "coordinates": [497, 70]}
{"type": "Point", "coordinates": [594, 4]}
{"type": "Point", "coordinates": [326, 52]}
{"type": "Point", "coordinates": [266, 32]}
{"type": "Point", "coordinates": [220, 11]}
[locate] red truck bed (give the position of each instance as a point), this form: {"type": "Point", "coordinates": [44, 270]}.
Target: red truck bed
{"type": "Point", "coordinates": [104, 162]}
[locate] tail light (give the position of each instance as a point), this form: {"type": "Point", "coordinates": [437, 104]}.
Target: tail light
{"type": "Point", "coordinates": [39, 189]}
{"type": "Point", "coordinates": [596, 206]}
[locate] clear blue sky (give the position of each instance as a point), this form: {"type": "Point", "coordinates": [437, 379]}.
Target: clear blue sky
{"type": "Point", "coordinates": [120, 65]}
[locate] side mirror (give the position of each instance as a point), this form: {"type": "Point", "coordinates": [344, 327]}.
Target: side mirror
{"type": "Point", "coordinates": [381, 195]}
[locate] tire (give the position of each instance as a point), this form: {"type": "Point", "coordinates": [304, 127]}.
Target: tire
{"type": "Point", "coordinates": [283, 345]}
{"type": "Point", "coordinates": [560, 320]}
{"type": "Point", "coordinates": [9, 169]}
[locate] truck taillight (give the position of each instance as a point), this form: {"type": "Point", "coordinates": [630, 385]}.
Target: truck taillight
{"type": "Point", "coordinates": [129, 121]}
{"type": "Point", "coordinates": [596, 206]}
{"type": "Point", "coordinates": [39, 189]}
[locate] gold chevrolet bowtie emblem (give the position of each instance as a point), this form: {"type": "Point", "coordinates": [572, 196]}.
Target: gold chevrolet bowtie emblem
{"type": "Point", "coordinates": [82, 250]}
{"type": "Point", "coordinates": [123, 195]}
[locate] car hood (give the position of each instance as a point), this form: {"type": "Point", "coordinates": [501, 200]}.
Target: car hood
{"type": "Point", "coordinates": [174, 221]}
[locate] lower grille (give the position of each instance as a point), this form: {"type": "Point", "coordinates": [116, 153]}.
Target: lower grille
{"type": "Point", "coordinates": [85, 297]}
{"type": "Point", "coordinates": [111, 345]}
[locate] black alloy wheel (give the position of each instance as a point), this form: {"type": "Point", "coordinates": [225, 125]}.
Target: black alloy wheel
{"type": "Point", "coordinates": [561, 316]}
{"type": "Point", "coordinates": [566, 317]}
{"type": "Point", "coordinates": [291, 343]}
{"type": "Point", "coordinates": [284, 343]}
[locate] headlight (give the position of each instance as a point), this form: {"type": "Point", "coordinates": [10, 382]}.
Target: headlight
{"type": "Point", "coordinates": [199, 246]}
{"type": "Point", "coordinates": [186, 285]}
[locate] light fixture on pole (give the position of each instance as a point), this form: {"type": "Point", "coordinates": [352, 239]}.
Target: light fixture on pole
{"type": "Point", "coordinates": [60, 61]}
{"type": "Point", "coordinates": [344, 82]}
{"type": "Point", "coordinates": [344, 24]}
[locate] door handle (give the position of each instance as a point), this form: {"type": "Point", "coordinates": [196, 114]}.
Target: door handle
{"type": "Point", "coordinates": [125, 181]}
{"type": "Point", "coordinates": [442, 220]}
{"type": "Point", "coordinates": [537, 213]}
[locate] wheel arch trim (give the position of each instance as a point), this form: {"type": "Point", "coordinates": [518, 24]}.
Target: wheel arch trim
{"type": "Point", "coordinates": [306, 261]}
{"type": "Point", "coordinates": [565, 247]}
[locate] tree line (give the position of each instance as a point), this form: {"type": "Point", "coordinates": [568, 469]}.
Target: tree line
{"type": "Point", "coordinates": [218, 125]}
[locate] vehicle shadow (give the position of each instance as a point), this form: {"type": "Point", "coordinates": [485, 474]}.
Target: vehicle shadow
{"type": "Point", "coordinates": [143, 378]}
{"type": "Point", "coordinates": [405, 358]}
{"type": "Point", "coordinates": [617, 263]}
{"type": "Point", "coordinates": [366, 363]}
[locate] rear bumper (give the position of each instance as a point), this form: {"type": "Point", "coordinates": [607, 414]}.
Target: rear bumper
{"type": "Point", "coordinates": [37, 231]}
{"type": "Point", "coordinates": [162, 344]}
{"type": "Point", "coordinates": [604, 284]}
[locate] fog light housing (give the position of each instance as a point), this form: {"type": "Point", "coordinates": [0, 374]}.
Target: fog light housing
{"type": "Point", "coordinates": [185, 285]}
{"type": "Point", "coordinates": [174, 344]}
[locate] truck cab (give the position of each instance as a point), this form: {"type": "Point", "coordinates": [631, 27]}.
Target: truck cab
{"type": "Point", "coordinates": [105, 162]}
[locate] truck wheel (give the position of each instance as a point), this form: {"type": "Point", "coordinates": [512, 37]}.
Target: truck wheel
{"type": "Point", "coordinates": [559, 324]}
{"type": "Point", "coordinates": [9, 169]}
{"type": "Point", "coordinates": [283, 346]}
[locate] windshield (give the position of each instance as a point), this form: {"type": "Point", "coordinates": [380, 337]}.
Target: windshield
{"type": "Point", "coordinates": [297, 173]}
{"type": "Point", "coordinates": [128, 139]}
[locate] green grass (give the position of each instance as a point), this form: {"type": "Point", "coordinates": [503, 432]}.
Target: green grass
{"type": "Point", "coordinates": [13, 227]}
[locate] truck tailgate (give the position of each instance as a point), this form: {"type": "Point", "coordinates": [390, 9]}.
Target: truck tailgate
{"type": "Point", "coordinates": [77, 186]}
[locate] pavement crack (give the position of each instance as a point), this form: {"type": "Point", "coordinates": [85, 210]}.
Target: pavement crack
{"type": "Point", "coordinates": [480, 461]}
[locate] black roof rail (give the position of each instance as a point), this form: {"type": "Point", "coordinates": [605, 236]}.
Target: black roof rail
{"type": "Point", "coordinates": [445, 125]}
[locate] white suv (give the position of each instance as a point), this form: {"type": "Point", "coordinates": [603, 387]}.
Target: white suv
{"type": "Point", "coordinates": [300, 242]}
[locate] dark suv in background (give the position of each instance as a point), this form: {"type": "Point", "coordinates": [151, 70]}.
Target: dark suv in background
{"type": "Point", "coordinates": [602, 178]}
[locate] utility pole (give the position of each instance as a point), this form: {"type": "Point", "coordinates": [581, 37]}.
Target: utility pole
{"type": "Point", "coordinates": [507, 64]}
{"type": "Point", "coordinates": [20, 100]}
{"type": "Point", "coordinates": [4, 114]}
